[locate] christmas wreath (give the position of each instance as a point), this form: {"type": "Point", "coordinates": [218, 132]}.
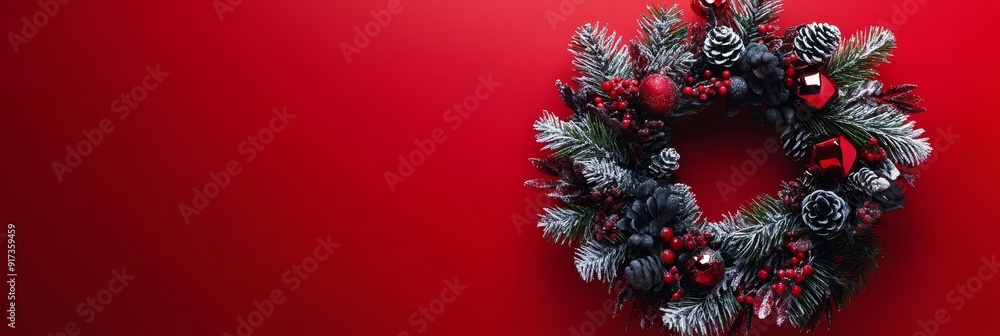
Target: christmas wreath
{"type": "Point", "coordinates": [793, 257]}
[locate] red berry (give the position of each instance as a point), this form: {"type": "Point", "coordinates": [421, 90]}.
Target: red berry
{"type": "Point", "coordinates": [701, 89]}
{"type": "Point", "coordinates": [793, 58]}
{"type": "Point", "coordinates": [723, 91]}
{"type": "Point", "coordinates": [801, 256]}
{"type": "Point", "coordinates": [779, 288]}
{"type": "Point", "coordinates": [634, 90]}
{"type": "Point", "coordinates": [614, 236]}
{"type": "Point", "coordinates": [708, 73]}
{"type": "Point", "coordinates": [763, 275]}
{"type": "Point", "coordinates": [635, 82]}
{"type": "Point", "coordinates": [741, 299]}
{"type": "Point", "coordinates": [749, 299]}
{"type": "Point", "coordinates": [866, 219]}
{"type": "Point", "coordinates": [598, 100]}
{"type": "Point", "coordinates": [789, 82]}
{"type": "Point", "coordinates": [618, 79]}
{"type": "Point", "coordinates": [762, 29]}
{"type": "Point", "coordinates": [772, 28]}
{"type": "Point", "coordinates": [800, 278]}
{"type": "Point", "coordinates": [708, 235]}
{"type": "Point", "coordinates": [622, 105]}
{"type": "Point", "coordinates": [668, 256]}
{"type": "Point", "coordinates": [713, 80]}
{"type": "Point", "coordinates": [627, 84]}
{"type": "Point", "coordinates": [727, 83]}
{"type": "Point", "coordinates": [790, 71]}
{"type": "Point", "coordinates": [613, 95]}
{"type": "Point", "coordinates": [690, 80]}
{"type": "Point", "coordinates": [688, 91]}
{"type": "Point", "coordinates": [620, 90]}
{"type": "Point", "coordinates": [726, 74]}
{"type": "Point", "coordinates": [807, 270]}
{"type": "Point", "coordinates": [600, 106]}
{"type": "Point", "coordinates": [703, 97]}
{"type": "Point", "coordinates": [873, 141]}
{"type": "Point", "coordinates": [870, 156]}
{"type": "Point", "coordinates": [626, 123]}
{"type": "Point", "coordinates": [667, 234]}
{"type": "Point", "coordinates": [676, 297]}
{"type": "Point", "coordinates": [796, 290]}
{"type": "Point", "coordinates": [676, 244]}
{"type": "Point", "coordinates": [794, 261]}
{"type": "Point", "coordinates": [790, 246]}
{"type": "Point", "coordinates": [606, 86]}
{"type": "Point", "coordinates": [690, 245]}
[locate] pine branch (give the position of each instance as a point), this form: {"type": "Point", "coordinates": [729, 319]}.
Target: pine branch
{"type": "Point", "coordinates": [600, 261]}
{"type": "Point", "coordinates": [750, 14]}
{"type": "Point", "coordinates": [598, 57]}
{"type": "Point", "coordinates": [664, 32]}
{"type": "Point", "coordinates": [606, 174]}
{"type": "Point", "coordinates": [860, 262]}
{"type": "Point", "coordinates": [566, 226]}
{"type": "Point", "coordinates": [702, 316]}
{"type": "Point", "coordinates": [804, 309]}
{"type": "Point", "coordinates": [860, 121]}
{"type": "Point", "coordinates": [763, 225]}
{"type": "Point", "coordinates": [689, 213]}
{"type": "Point", "coordinates": [583, 139]}
{"type": "Point", "coordinates": [855, 60]}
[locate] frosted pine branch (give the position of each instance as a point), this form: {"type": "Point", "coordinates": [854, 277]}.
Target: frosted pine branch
{"type": "Point", "coordinates": [663, 32]}
{"type": "Point", "coordinates": [565, 226]}
{"type": "Point", "coordinates": [763, 225]}
{"type": "Point", "coordinates": [606, 174]}
{"type": "Point", "coordinates": [579, 140]}
{"type": "Point", "coordinates": [855, 61]}
{"type": "Point", "coordinates": [701, 316]}
{"type": "Point", "coordinates": [600, 261]}
{"type": "Point", "coordinates": [860, 121]}
{"type": "Point", "coordinates": [750, 14]}
{"type": "Point", "coordinates": [598, 56]}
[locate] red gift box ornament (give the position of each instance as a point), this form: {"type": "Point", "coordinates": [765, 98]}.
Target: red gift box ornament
{"type": "Point", "coordinates": [836, 155]}
{"type": "Point", "coordinates": [817, 89]}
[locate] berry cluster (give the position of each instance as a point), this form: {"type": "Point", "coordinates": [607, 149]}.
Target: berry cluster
{"type": "Point", "coordinates": [874, 152]}
{"type": "Point", "coordinates": [796, 270]}
{"type": "Point", "coordinates": [767, 29]}
{"type": "Point", "coordinates": [604, 223]}
{"type": "Point", "coordinates": [792, 194]}
{"type": "Point", "coordinates": [867, 214]}
{"type": "Point", "coordinates": [649, 128]}
{"type": "Point", "coordinates": [709, 86]}
{"type": "Point", "coordinates": [790, 80]}
{"type": "Point", "coordinates": [620, 91]}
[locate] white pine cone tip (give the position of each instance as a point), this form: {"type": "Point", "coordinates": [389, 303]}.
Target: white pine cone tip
{"type": "Point", "coordinates": [723, 46]}
{"type": "Point", "coordinates": [816, 42]}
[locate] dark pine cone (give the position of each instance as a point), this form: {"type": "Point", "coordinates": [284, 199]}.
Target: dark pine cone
{"type": "Point", "coordinates": [723, 46]}
{"type": "Point", "coordinates": [825, 213]}
{"type": "Point", "coordinates": [654, 206]}
{"type": "Point", "coordinates": [764, 65]}
{"type": "Point", "coordinates": [815, 42]}
{"type": "Point", "coordinates": [645, 273]}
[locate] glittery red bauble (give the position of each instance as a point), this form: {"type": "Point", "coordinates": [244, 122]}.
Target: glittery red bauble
{"type": "Point", "coordinates": [704, 268]}
{"type": "Point", "coordinates": [658, 94]}
{"type": "Point", "coordinates": [701, 7]}
{"type": "Point", "coordinates": [835, 156]}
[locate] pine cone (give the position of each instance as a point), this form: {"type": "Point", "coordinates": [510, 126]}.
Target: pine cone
{"type": "Point", "coordinates": [654, 206]}
{"type": "Point", "coordinates": [797, 142]}
{"type": "Point", "coordinates": [645, 273]}
{"type": "Point", "coordinates": [825, 213]}
{"type": "Point", "coordinates": [723, 46]}
{"type": "Point", "coordinates": [816, 42]}
{"type": "Point", "coordinates": [865, 179]}
{"type": "Point", "coordinates": [665, 162]}
{"type": "Point", "coordinates": [762, 62]}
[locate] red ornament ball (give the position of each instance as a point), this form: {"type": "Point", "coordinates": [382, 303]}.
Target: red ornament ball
{"type": "Point", "coordinates": [704, 268]}
{"type": "Point", "coordinates": [701, 7]}
{"type": "Point", "coordinates": [658, 94]}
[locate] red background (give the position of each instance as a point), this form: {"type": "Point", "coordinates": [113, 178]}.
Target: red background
{"type": "Point", "coordinates": [452, 218]}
